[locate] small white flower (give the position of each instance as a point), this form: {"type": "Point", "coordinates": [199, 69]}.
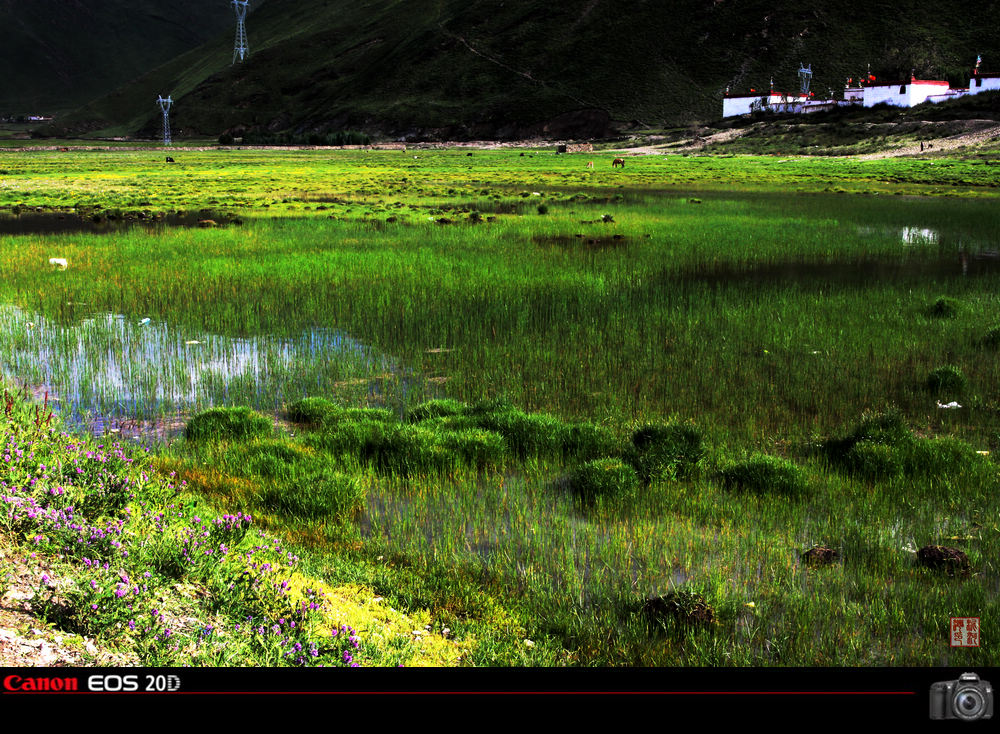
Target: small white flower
{"type": "Point", "coordinates": [529, 643]}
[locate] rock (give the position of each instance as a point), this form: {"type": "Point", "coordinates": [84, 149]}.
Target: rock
{"type": "Point", "coordinates": [684, 607]}
{"type": "Point", "coordinates": [819, 556]}
{"type": "Point", "coordinates": [951, 560]}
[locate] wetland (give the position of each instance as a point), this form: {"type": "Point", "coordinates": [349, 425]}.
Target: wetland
{"type": "Point", "coordinates": [526, 400]}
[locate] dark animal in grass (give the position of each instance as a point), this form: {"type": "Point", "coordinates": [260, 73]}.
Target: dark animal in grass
{"type": "Point", "coordinates": [618, 162]}
{"type": "Point", "coordinates": [170, 160]}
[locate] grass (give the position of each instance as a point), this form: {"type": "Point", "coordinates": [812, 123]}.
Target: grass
{"type": "Point", "coordinates": [747, 382]}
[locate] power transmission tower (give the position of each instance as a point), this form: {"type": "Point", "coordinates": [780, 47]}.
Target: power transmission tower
{"type": "Point", "coordinates": [165, 108]}
{"type": "Point", "coordinates": [805, 77]}
{"type": "Point", "coordinates": [241, 49]}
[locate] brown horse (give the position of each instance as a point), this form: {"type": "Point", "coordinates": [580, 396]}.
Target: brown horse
{"type": "Point", "coordinates": [618, 162]}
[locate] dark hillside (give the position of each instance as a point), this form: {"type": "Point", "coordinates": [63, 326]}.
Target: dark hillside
{"type": "Point", "coordinates": [507, 68]}
{"type": "Point", "coordinates": [58, 54]}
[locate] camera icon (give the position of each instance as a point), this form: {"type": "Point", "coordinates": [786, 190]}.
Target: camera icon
{"type": "Point", "coordinates": [967, 698]}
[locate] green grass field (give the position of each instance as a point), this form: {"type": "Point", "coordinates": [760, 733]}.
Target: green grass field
{"type": "Point", "coordinates": [605, 411]}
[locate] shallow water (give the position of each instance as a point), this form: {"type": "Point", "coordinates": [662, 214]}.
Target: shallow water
{"type": "Point", "coordinates": [109, 372]}
{"type": "Point", "coordinates": [43, 223]}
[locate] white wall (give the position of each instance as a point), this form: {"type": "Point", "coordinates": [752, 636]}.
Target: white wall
{"type": "Point", "coordinates": [909, 94]}
{"type": "Point", "coordinates": [984, 84]}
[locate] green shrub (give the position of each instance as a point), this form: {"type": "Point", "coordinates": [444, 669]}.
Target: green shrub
{"type": "Point", "coordinates": [603, 479]}
{"type": "Point", "coordinates": [947, 381]}
{"type": "Point", "coordinates": [586, 441]}
{"type": "Point", "coordinates": [312, 410]}
{"type": "Point", "coordinates": [322, 495]}
{"type": "Point", "coordinates": [945, 308]}
{"type": "Point", "coordinates": [873, 461]}
{"type": "Point", "coordinates": [762, 473]}
{"type": "Point", "coordinates": [476, 447]}
{"type": "Point", "coordinates": [944, 456]}
{"type": "Point", "coordinates": [381, 415]}
{"type": "Point", "coordinates": [527, 435]}
{"type": "Point", "coordinates": [991, 339]}
{"type": "Point", "coordinates": [885, 428]}
{"type": "Point", "coordinates": [406, 450]}
{"type": "Point", "coordinates": [228, 424]}
{"type": "Point", "coordinates": [348, 438]}
{"type": "Point", "coordinates": [269, 459]}
{"type": "Point", "coordinates": [666, 451]}
{"type": "Point", "coordinates": [436, 409]}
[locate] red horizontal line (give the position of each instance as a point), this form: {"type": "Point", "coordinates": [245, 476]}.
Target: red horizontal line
{"type": "Point", "coordinates": [477, 693]}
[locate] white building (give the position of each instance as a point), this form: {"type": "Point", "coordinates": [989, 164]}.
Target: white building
{"type": "Point", "coordinates": [901, 94]}
{"type": "Point", "coordinates": [770, 102]}
{"type": "Point", "coordinates": [904, 94]}
{"type": "Point", "coordinates": [984, 83]}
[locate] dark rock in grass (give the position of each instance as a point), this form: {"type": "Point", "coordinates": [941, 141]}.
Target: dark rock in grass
{"type": "Point", "coordinates": [226, 424]}
{"type": "Point", "coordinates": [951, 560]}
{"type": "Point", "coordinates": [684, 608]}
{"type": "Point", "coordinates": [820, 556]}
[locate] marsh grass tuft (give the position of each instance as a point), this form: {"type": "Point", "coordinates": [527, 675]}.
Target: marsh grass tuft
{"type": "Point", "coordinates": [318, 495]}
{"type": "Point", "coordinates": [945, 308]}
{"type": "Point", "coordinates": [764, 473]}
{"type": "Point", "coordinates": [604, 481]}
{"type": "Point", "coordinates": [228, 424]}
{"type": "Point", "coordinates": [436, 409]}
{"type": "Point", "coordinates": [312, 410]}
{"type": "Point", "coordinates": [947, 381]}
{"type": "Point", "coordinates": [873, 462]}
{"type": "Point", "coordinates": [669, 452]}
{"type": "Point", "coordinates": [991, 339]}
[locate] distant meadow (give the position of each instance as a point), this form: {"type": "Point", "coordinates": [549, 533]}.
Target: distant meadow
{"type": "Point", "coordinates": [614, 413]}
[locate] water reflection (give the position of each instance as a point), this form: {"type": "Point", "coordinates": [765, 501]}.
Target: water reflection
{"type": "Point", "coordinates": [111, 372]}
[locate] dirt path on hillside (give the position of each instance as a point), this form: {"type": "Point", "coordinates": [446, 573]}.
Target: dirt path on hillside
{"type": "Point", "coordinates": [696, 144]}
{"type": "Point", "coordinates": [961, 140]}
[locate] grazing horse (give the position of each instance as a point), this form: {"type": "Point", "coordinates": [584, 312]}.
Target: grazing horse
{"type": "Point", "coordinates": [618, 162]}
{"type": "Point", "coordinates": [590, 164]}
{"type": "Point", "coordinates": [169, 159]}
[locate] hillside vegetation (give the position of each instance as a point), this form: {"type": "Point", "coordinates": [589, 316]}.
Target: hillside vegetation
{"type": "Point", "coordinates": [57, 55]}
{"type": "Point", "coordinates": [488, 68]}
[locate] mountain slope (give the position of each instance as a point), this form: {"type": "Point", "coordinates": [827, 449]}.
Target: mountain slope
{"type": "Point", "coordinates": [498, 68]}
{"type": "Point", "coordinates": [59, 54]}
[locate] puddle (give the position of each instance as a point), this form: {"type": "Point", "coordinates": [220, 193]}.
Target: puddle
{"type": "Point", "coordinates": [102, 222]}
{"type": "Point", "coordinates": [141, 377]}
{"type": "Point", "coordinates": [919, 236]}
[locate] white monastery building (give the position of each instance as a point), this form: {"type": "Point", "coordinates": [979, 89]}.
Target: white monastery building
{"type": "Point", "coordinates": [908, 93]}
